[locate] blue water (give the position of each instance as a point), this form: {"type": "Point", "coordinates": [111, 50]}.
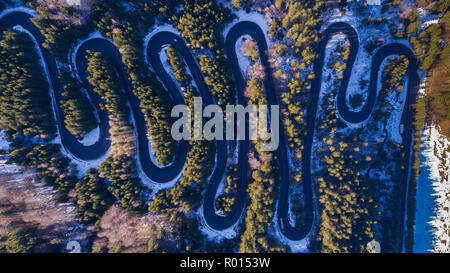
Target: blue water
{"type": "Point", "coordinates": [425, 203]}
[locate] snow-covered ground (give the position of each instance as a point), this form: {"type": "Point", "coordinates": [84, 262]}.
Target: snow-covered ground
{"type": "Point", "coordinates": [32, 12]}
{"type": "Point", "coordinates": [427, 18]}
{"type": "Point", "coordinates": [165, 61]}
{"type": "Point", "coordinates": [82, 165]}
{"type": "Point", "coordinates": [361, 72]}
{"type": "Point", "coordinates": [4, 144]}
{"type": "Point", "coordinates": [432, 220]}
{"type": "Point", "coordinates": [91, 137]}
{"type": "Point", "coordinates": [296, 246]}
{"type": "Point", "coordinates": [217, 235]}
{"type": "Point", "coordinates": [425, 201]}
{"type": "Point", "coordinates": [432, 232]}
{"type": "Point", "coordinates": [233, 159]}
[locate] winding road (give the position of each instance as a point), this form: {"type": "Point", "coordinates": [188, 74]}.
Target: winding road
{"type": "Point", "coordinates": [168, 173]}
{"type": "Point", "coordinates": [357, 117]}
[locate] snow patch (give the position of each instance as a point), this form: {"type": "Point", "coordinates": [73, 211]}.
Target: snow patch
{"type": "Point", "coordinates": [81, 165]}
{"type": "Point", "coordinates": [438, 163]}
{"type": "Point", "coordinates": [216, 235]}
{"type": "Point", "coordinates": [4, 144]}
{"type": "Point", "coordinates": [91, 137]}
{"type": "Point", "coordinates": [32, 12]}
{"type": "Point", "coordinates": [425, 199]}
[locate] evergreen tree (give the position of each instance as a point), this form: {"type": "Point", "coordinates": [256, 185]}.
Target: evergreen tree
{"type": "Point", "coordinates": [79, 117]}
{"type": "Point", "coordinates": [25, 105]}
{"type": "Point", "coordinates": [93, 197]}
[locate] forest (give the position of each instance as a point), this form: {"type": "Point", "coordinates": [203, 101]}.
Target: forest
{"type": "Point", "coordinates": [25, 110]}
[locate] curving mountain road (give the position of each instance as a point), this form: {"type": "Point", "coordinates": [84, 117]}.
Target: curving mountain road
{"type": "Point", "coordinates": [69, 141]}
{"type": "Point", "coordinates": [170, 172]}
{"type": "Point", "coordinates": [360, 116]}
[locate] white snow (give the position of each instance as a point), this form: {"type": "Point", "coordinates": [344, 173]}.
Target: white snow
{"type": "Point", "coordinates": [425, 201]}
{"type": "Point", "coordinates": [4, 144]}
{"type": "Point", "coordinates": [153, 153]}
{"type": "Point", "coordinates": [165, 61]}
{"type": "Point", "coordinates": [427, 18]}
{"type": "Point", "coordinates": [438, 162]}
{"type": "Point", "coordinates": [216, 235]}
{"type": "Point", "coordinates": [348, 17]}
{"type": "Point", "coordinates": [220, 191]}
{"type": "Point", "coordinates": [300, 246]}
{"type": "Point", "coordinates": [32, 12]}
{"type": "Point", "coordinates": [374, 2]}
{"type": "Point", "coordinates": [81, 165]}
{"type": "Point", "coordinates": [91, 137]}
{"type": "Point", "coordinates": [71, 58]}
{"type": "Point", "coordinates": [167, 67]}
{"type": "Point", "coordinates": [328, 79]}
{"type": "Point", "coordinates": [428, 23]}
